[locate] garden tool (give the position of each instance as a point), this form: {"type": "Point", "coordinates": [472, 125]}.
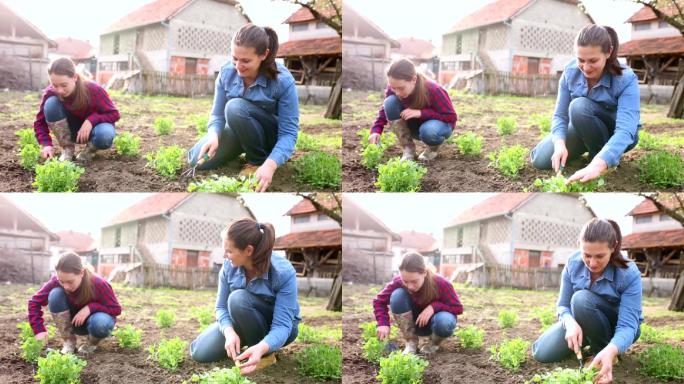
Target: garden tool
{"type": "Point", "coordinates": [579, 358]}
{"type": "Point", "coordinates": [433, 345]}
{"type": "Point", "coordinates": [63, 135]}
{"type": "Point", "coordinates": [403, 132]}
{"type": "Point", "coordinates": [560, 170]}
{"type": "Point", "coordinates": [407, 327]}
{"type": "Point", "coordinates": [65, 329]}
{"type": "Point", "coordinates": [248, 170]}
{"type": "Point", "coordinates": [88, 153]}
{"type": "Point", "coordinates": [190, 172]}
{"type": "Point", "coordinates": [429, 153]}
{"type": "Point", "coordinates": [90, 346]}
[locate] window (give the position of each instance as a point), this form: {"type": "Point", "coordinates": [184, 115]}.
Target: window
{"type": "Point", "coordinates": [459, 43]}
{"type": "Point", "coordinates": [323, 217]}
{"type": "Point", "coordinates": [663, 24]}
{"type": "Point", "coordinates": [642, 26]}
{"type": "Point", "coordinates": [665, 217]}
{"type": "Point", "coordinates": [642, 219]}
{"type": "Point", "coordinates": [534, 258]}
{"type": "Point", "coordinates": [116, 44]}
{"type": "Point", "coordinates": [299, 27]}
{"type": "Point", "coordinates": [299, 219]}
{"type": "Point", "coordinates": [321, 25]}
{"type": "Point", "coordinates": [459, 238]}
{"type": "Point", "coordinates": [465, 65]}
{"type": "Point", "coordinates": [192, 258]}
{"type": "Point", "coordinates": [190, 66]}
{"type": "Point", "coordinates": [117, 237]}
{"type": "Point", "coordinates": [532, 65]}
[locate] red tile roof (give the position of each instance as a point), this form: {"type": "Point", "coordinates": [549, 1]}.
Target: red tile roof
{"type": "Point", "coordinates": [155, 205]}
{"type": "Point", "coordinates": [656, 46]}
{"type": "Point", "coordinates": [647, 206]}
{"type": "Point", "coordinates": [418, 241]}
{"type": "Point", "coordinates": [311, 239]}
{"type": "Point", "coordinates": [647, 14]}
{"type": "Point", "coordinates": [305, 206]}
{"type": "Point", "coordinates": [25, 219]}
{"type": "Point", "coordinates": [74, 48]}
{"type": "Point", "coordinates": [154, 12]}
{"type": "Point", "coordinates": [654, 239]}
{"type": "Point", "coordinates": [311, 47]}
{"type": "Point", "coordinates": [78, 242]}
{"type": "Point", "coordinates": [23, 27]}
{"type": "Point", "coordinates": [496, 205]}
{"type": "Point", "coordinates": [417, 48]}
{"type": "Point", "coordinates": [303, 15]}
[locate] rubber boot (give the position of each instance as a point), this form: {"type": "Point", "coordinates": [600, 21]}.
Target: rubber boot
{"type": "Point", "coordinates": [88, 153]}
{"type": "Point", "coordinates": [403, 132]}
{"type": "Point", "coordinates": [90, 346]}
{"type": "Point", "coordinates": [66, 330]}
{"type": "Point", "coordinates": [433, 345]}
{"type": "Point", "coordinates": [63, 135]}
{"type": "Point", "coordinates": [429, 153]}
{"type": "Point", "coordinates": [407, 327]}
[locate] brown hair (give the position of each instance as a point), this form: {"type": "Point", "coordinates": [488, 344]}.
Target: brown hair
{"type": "Point", "coordinates": [261, 236]}
{"type": "Point", "coordinates": [605, 231]}
{"type": "Point", "coordinates": [65, 67]}
{"type": "Point", "coordinates": [70, 262]}
{"type": "Point", "coordinates": [415, 263]}
{"type": "Point", "coordinates": [260, 38]}
{"type": "Point", "coordinates": [604, 37]}
{"type": "Point", "coordinates": [403, 69]}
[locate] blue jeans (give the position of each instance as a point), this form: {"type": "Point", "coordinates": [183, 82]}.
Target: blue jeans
{"type": "Point", "coordinates": [102, 135]}
{"type": "Point", "coordinates": [431, 132]}
{"type": "Point", "coordinates": [251, 317]}
{"type": "Point", "coordinates": [589, 129]}
{"type": "Point", "coordinates": [249, 129]}
{"type": "Point", "coordinates": [441, 324]}
{"type": "Point", "coordinates": [98, 324]}
{"type": "Point", "coordinates": [595, 315]}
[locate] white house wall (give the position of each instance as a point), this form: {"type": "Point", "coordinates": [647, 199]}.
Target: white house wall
{"type": "Point", "coordinates": [313, 224]}
{"type": "Point", "coordinates": [312, 32]}
{"type": "Point", "coordinates": [656, 224]}
{"type": "Point", "coordinates": [655, 31]}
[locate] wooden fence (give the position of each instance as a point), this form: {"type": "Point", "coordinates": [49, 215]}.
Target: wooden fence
{"type": "Point", "coordinates": [164, 83]}
{"type": "Point", "coordinates": [160, 275]}
{"type": "Point", "coordinates": [507, 276]}
{"type": "Point", "coordinates": [507, 83]}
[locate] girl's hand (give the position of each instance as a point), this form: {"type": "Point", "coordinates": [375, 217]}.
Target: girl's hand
{"type": "Point", "coordinates": [374, 138]}
{"type": "Point", "coordinates": [232, 344]}
{"type": "Point", "coordinates": [560, 155]}
{"type": "Point", "coordinates": [47, 152]}
{"type": "Point", "coordinates": [210, 146]}
{"type": "Point", "coordinates": [264, 174]}
{"type": "Point", "coordinates": [573, 334]}
{"type": "Point", "coordinates": [382, 332]}
{"type": "Point", "coordinates": [43, 336]}
{"type": "Point", "coordinates": [604, 360]}
{"type": "Point", "coordinates": [84, 133]}
{"type": "Point", "coordinates": [409, 113]}
{"type": "Point", "coordinates": [253, 355]}
{"type": "Point", "coordinates": [595, 169]}
{"type": "Point", "coordinates": [81, 316]}
{"type": "Point", "coordinates": [425, 316]}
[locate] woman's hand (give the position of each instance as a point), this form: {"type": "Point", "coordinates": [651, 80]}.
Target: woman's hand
{"type": "Point", "coordinates": [264, 174]}
{"type": "Point", "coordinates": [382, 332]}
{"type": "Point", "coordinates": [210, 146]}
{"type": "Point", "coordinates": [253, 355]}
{"type": "Point", "coordinates": [232, 344]}
{"type": "Point", "coordinates": [81, 316]}
{"type": "Point", "coordinates": [43, 336]}
{"type": "Point", "coordinates": [573, 334]}
{"type": "Point", "coordinates": [84, 133]}
{"type": "Point", "coordinates": [604, 360]}
{"type": "Point", "coordinates": [425, 316]}
{"type": "Point", "coordinates": [409, 113]}
{"type": "Point", "coordinates": [595, 169]}
{"type": "Point", "coordinates": [560, 155]}
{"type": "Point", "coordinates": [47, 152]}
{"type": "Point", "coordinates": [374, 138]}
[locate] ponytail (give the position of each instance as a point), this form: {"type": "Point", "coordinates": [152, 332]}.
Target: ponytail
{"type": "Point", "coordinates": [415, 263]}
{"type": "Point", "coordinates": [606, 231]}
{"type": "Point", "coordinates": [261, 236]}
{"type": "Point", "coordinates": [65, 67]}
{"type": "Point", "coordinates": [404, 69]}
{"type": "Point", "coordinates": [261, 39]}
{"type": "Point", "coordinates": [70, 262]}
{"type": "Point", "coordinates": [604, 37]}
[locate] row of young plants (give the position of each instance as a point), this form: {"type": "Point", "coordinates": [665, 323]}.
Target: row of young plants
{"type": "Point", "coordinates": [321, 359]}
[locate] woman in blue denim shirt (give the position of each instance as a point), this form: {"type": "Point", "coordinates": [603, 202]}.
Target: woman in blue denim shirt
{"type": "Point", "coordinates": [256, 110]}
{"type": "Point", "coordinates": [599, 304]}
{"type": "Point", "coordinates": [597, 109]}
{"type": "Point", "coordinates": [256, 305]}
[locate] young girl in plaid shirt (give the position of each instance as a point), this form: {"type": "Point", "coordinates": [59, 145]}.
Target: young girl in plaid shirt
{"type": "Point", "coordinates": [80, 302]}
{"type": "Point", "coordinates": [422, 304]}
{"type": "Point", "coordinates": [418, 108]}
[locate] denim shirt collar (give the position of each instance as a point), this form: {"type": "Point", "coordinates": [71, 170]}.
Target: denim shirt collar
{"type": "Point", "coordinates": [608, 274]}
{"type": "Point", "coordinates": [239, 279]}
{"type": "Point", "coordinates": [605, 81]}
{"type": "Point", "coordinates": [260, 81]}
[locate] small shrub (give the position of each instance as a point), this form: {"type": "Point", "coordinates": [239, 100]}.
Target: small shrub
{"type": "Point", "coordinates": [400, 176]}
{"type": "Point", "coordinates": [543, 122]}
{"type": "Point", "coordinates": [469, 143]}
{"type": "Point", "coordinates": [318, 169]}
{"type": "Point", "coordinates": [471, 337]}
{"type": "Point", "coordinates": [220, 376]}
{"type": "Point", "coordinates": [169, 354]}
{"type": "Point", "coordinates": [167, 161]}
{"type": "Point", "coordinates": [663, 362]}
{"type": "Point", "coordinates": [165, 318]}
{"type": "Point", "coordinates": [306, 142]}
{"type": "Point", "coordinates": [308, 335]}
{"type": "Point", "coordinates": [372, 155]}
{"type": "Point", "coordinates": [547, 317]}
{"type": "Point", "coordinates": [128, 336]}
{"type": "Point", "coordinates": [127, 144]}
{"type": "Point", "coordinates": [369, 330]}
{"type": "Point", "coordinates": [202, 123]}
{"type": "Point", "coordinates": [662, 169]}
{"type": "Point", "coordinates": [363, 134]}
{"type": "Point", "coordinates": [565, 376]}
{"type": "Point", "coordinates": [374, 349]}
{"type": "Point", "coordinates": [31, 349]}
{"type": "Point", "coordinates": [203, 315]}
{"type": "Point", "coordinates": [650, 334]}
{"type": "Point", "coordinates": [320, 362]}
{"type": "Point", "coordinates": [507, 319]}
{"type": "Point", "coordinates": [509, 160]}
{"type": "Point", "coordinates": [558, 184]}
{"type": "Point", "coordinates": [506, 125]}
{"type": "Point", "coordinates": [57, 176]}
{"type": "Point", "coordinates": [27, 136]}
{"type": "Point", "coordinates": [25, 331]}
{"type": "Point", "coordinates": [510, 354]}
{"type": "Point", "coordinates": [649, 142]}
{"type": "Point", "coordinates": [225, 184]}
{"type": "Point", "coordinates": [401, 369]}
{"type": "Point", "coordinates": [29, 156]}
{"type": "Point", "coordinates": [59, 369]}
{"type": "Point", "coordinates": [163, 125]}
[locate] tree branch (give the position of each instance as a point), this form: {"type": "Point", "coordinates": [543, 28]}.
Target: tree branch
{"type": "Point", "coordinates": [659, 10]}
{"type": "Point", "coordinates": [334, 22]}
{"type": "Point", "coordinates": [677, 213]}
{"type": "Point", "coordinates": [332, 213]}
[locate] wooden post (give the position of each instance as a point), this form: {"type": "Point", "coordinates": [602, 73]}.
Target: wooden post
{"type": "Point", "coordinates": [677, 303]}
